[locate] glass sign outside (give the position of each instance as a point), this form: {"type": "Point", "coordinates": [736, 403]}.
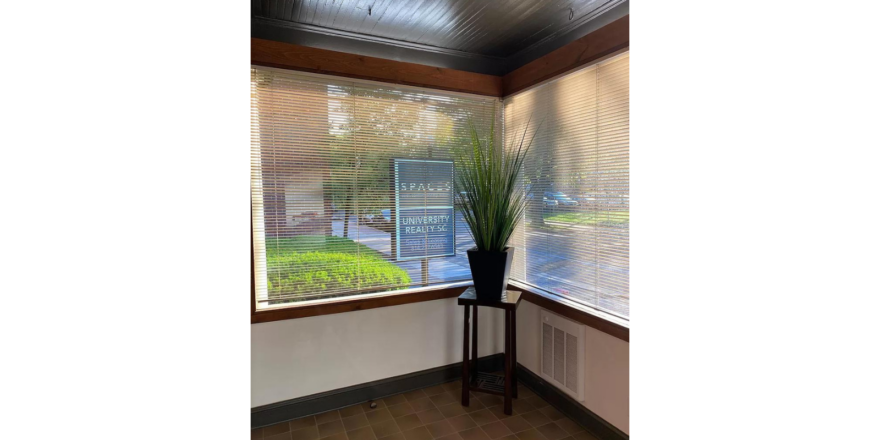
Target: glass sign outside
{"type": "Point", "coordinates": [424, 225]}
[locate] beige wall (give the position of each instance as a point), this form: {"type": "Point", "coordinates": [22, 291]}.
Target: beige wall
{"type": "Point", "coordinates": [299, 357]}
{"type": "Point", "coordinates": [606, 363]}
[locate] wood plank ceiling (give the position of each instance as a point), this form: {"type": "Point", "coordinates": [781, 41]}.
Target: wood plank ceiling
{"type": "Point", "coordinates": [488, 30]}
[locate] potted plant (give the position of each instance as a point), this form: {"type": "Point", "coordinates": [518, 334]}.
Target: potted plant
{"type": "Point", "coordinates": [492, 199]}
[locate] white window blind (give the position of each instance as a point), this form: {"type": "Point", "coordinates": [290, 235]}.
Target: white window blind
{"type": "Point", "coordinates": [323, 185]}
{"type": "Point", "coordinates": [574, 240]}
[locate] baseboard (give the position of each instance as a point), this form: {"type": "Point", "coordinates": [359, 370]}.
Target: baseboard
{"type": "Point", "coordinates": [327, 401]}
{"type": "Point", "coordinates": [568, 406]}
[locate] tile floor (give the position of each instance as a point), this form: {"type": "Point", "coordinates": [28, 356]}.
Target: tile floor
{"type": "Point", "coordinates": [434, 413]}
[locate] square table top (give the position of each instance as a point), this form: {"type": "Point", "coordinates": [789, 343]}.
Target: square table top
{"type": "Point", "coordinates": [510, 299]}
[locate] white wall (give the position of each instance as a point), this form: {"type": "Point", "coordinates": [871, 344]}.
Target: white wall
{"type": "Point", "coordinates": [607, 365]}
{"type": "Point", "coordinates": [299, 357]}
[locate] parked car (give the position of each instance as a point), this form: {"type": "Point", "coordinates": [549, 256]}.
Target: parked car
{"type": "Point", "coordinates": [383, 216]}
{"type": "Point", "coordinates": [380, 221]}
{"type": "Point", "coordinates": [561, 198]}
{"type": "Point", "coordinates": [550, 202]}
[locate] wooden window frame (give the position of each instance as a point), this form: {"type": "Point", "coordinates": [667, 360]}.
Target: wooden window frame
{"type": "Point", "coordinates": [600, 44]}
{"type": "Point", "coordinates": [557, 304]}
{"type": "Point", "coordinates": [554, 303]}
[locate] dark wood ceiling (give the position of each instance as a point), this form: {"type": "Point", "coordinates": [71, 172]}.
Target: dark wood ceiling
{"type": "Point", "coordinates": [497, 28]}
{"type": "Point", "coordinates": [489, 31]}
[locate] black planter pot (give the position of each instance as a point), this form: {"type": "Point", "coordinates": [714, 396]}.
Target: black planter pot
{"type": "Point", "coordinates": [490, 271]}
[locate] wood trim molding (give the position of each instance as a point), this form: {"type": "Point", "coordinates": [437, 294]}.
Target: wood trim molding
{"type": "Point", "coordinates": [337, 399]}
{"type": "Point", "coordinates": [570, 312]}
{"type": "Point", "coordinates": [353, 304]}
{"type": "Point", "coordinates": [592, 47]}
{"type": "Point", "coordinates": [309, 59]}
{"type": "Point", "coordinates": [576, 411]}
{"type": "Point", "coordinates": [356, 303]}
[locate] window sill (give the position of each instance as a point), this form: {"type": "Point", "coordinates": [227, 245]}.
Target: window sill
{"type": "Point", "coordinates": [355, 303]}
{"type": "Point", "coordinates": [604, 322]}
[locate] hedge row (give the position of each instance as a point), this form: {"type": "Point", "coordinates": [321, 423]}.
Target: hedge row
{"type": "Point", "coordinates": [330, 263]}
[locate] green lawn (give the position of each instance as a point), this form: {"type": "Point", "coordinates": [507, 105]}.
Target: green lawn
{"type": "Point", "coordinates": [332, 263]}
{"type": "Point", "coordinates": [599, 218]}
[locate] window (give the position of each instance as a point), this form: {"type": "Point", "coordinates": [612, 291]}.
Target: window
{"type": "Point", "coordinates": [574, 240]}
{"type": "Point", "coordinates": [352, 185]}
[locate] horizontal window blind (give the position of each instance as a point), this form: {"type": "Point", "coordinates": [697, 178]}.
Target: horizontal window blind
{"type": "Point", "coordinates": [329, 157]}
{"type": "Point", "coordinates": [574, 240]}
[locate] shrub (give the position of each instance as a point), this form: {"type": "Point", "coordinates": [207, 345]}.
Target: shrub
{"type": "Point", "coordinates": [332, 263]}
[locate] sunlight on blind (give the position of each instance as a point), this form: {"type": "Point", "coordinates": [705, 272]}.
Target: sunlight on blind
{"type": "Point", "coordinates": [574, 240]}
{"type": "Point", "coordinates": [322, 182]}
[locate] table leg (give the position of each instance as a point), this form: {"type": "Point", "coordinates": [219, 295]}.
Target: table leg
{"type": "Point", "coordinates": [508, 404]}
{"type": "Point", "coordinates": [513, 350]}
{"type": "Point", "coordinates": [465, 390]}
{"type": "Point", "coordinates": [474, 357]}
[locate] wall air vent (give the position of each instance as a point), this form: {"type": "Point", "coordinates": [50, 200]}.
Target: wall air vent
{"type": "Point", "coordinates": [562, 354]}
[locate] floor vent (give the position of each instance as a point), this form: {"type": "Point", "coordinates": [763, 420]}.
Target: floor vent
{"type": "Point", "coordinates": [487, 381]}
{"type": "Point", "coordinates": [562, 354]}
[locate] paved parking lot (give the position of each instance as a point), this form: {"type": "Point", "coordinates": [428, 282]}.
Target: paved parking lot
{"type": "Point", "coordinates": [560, 271]}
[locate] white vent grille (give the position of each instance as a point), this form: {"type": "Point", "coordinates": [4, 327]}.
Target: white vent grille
{"type": "Point", "coordinates": [562, 353]}
{"type": "Point", "coordinates": [571, 362]}
{"type": "Point", "coordinates": [547, 355]}
{"type": "Point", "coordinates": [559, 355]}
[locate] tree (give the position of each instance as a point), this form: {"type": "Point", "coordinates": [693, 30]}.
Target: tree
{"type": "Point", "coordinates": [368, 129]}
